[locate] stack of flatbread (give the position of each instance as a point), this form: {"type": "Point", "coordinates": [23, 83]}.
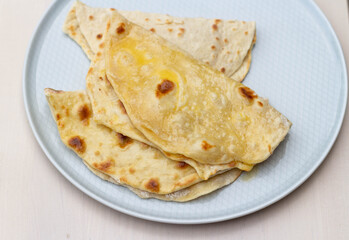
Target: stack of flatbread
{"type": "Point", "coordinates": [164, 112]}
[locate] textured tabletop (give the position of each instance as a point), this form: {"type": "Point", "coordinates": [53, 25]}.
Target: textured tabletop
{"type": "Point", "coordinates": [37, 202]}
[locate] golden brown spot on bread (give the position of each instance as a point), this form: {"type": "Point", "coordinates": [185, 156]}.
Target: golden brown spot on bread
{"type": "Point", "coordinates": [99, 36]}
{"type": "Point", "coordinates": [170, 29]}
{"type": "Point", "coordinates": [260, 103]}
{"type": "Point", "coordinates": [153, 185]}
{"type": "Point", "coordinates": [123, 179]}
{"type": "Point", "coordinates": [181, 165]}
{"type": "Point", "coordinates": [72, 30]}
{"type": "Point", "coordinates": [206, 146]}
{"type": "Point", "coordinates": [90, 70]}
{"type": "Point", "coordinates": [90, 17]}
{"type": "Point", "coordinates": [146, 19]}
{"type": "Point", "coordinates": [102, 110]}
{"type": "Point", "coordinates": [152, 30]}
{"type": "Point", "coordinates": [237, 52]}
{"type": "Point", "coordinates": [112, 9]}
{"type": "Point", "coordinates": [182, 30]}
{"type": "Point", "coordinates": [164, 87]}
{"type": "Point", "coordinates": [107, 166]}
{"type": "Point", "coordinates": [179, 34]}
{"type": "Point", "coordinates": [84, 112]}
{"type": "Point", "coordinates": [77, 143]}
{"type": "Point", "coordinates": [214, 27]}
{"type": "Point", "coordinates": [207, 62]}
{"type": "Point", "coordinates": [67, 112]}
{"type": "Point", "coordinates": [122, 107]}
{"type": "Point", "coordinates": [58, 116]}
{"type": "Point", "coordinates": [97, 153]}
{"type": "Point", "coordinates": [217, 38]}
{"type": "Point", "coordinates": [108, 25]}
{"type": "Point", "coordinates": [223, 70]}
{"type": "Point", "coordinates": [234, 29]}
{"type": "Point", "coordinates": [123, 140]}
{"type": "Point", "coordinates": [228, 52]}
{"type": "Point", "coordinates": [269, 148]}
{"type": "Point", "coordinates": [217, 21]}
{"type": "Point", "coordinates": [99, 54]}
{"type": "Point", "coordinates": [247, 93]}
{"type": "Point", "coordinates": [243, 22]}
{"type": "Point", "coordinates": [101, 45]}
{"type": "Point", "coordinates": [131, 170]}
{"type": "Point", "coordinates": [232, 164]}
{"type": "Point", "coordinates": [246, 33]}
{"type": "Point", "coordinates": [121, 28]}
{"type": "Point", "coordinates": [225, 40]}
{"type": "Point", "coordinates": [60, 124]}
{"type": "Point", "coordinates": [213, 47]}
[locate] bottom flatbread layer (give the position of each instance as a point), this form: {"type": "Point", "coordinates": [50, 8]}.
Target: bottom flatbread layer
{"type": "Point", "coordinates": [183, 195]}
{"type": "Point", "coordinates": [123, 159]}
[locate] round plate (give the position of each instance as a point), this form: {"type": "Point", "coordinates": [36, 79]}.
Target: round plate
{"type": "Point", "coordinates": [297, 63]}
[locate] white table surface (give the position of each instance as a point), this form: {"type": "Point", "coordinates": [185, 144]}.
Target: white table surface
{"type": "Point", "coordinates": [37, 202]}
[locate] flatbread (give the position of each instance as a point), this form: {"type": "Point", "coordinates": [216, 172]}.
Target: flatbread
{"type": "Point", "coordinates": [109, 111]}
{"type": "Point", "coordinates": [223, 44]}
{"type": "Point", "coordinates": [125, 160]}
{"type": "Point", "coordinates": [121, 160]}
{"type": "Point", "coordinates": [184, 106]}
{"type": "Point", "coordinates": [72, 28]}
{"type": "Point", "coordinates": [186, 194]}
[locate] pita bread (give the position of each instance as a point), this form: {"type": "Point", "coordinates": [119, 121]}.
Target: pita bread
{"type": "Point", "coordinates": [184, 106]}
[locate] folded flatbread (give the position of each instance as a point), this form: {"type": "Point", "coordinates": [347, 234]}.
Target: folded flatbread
{"type": "Point", "coordinates": [224, 44]}
{"type": "Point", "coordinates": [183, 195]}
{"type": "Point", "coordinates": [108, 109]}
{"type": "Point", "coordinates": [183, 105]}
{"type": "Point", "coordinates": [122, 160]}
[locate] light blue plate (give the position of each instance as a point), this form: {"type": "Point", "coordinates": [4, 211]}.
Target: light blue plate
{"type": "Point", "coordinates": [297, 63]}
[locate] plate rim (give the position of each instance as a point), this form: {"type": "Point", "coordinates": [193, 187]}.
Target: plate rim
{"type": "Point", "coordinates": [137, 214]}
